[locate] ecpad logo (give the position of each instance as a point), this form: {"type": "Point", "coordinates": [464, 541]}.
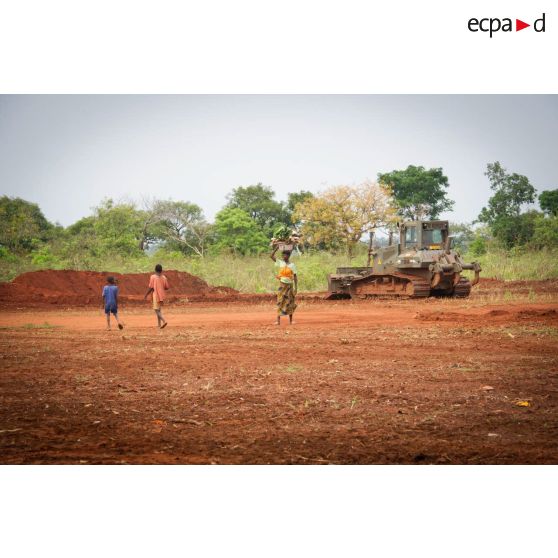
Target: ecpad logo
{"type": "Point", "coordinates": [493, 25]}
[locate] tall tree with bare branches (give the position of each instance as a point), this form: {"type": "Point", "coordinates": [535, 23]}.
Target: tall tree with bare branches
{"type": "Point", "coordinates": [184, 224]}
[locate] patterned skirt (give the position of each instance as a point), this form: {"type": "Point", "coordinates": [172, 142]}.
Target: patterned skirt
{"type": "Point", "coordinates": [286, 304]}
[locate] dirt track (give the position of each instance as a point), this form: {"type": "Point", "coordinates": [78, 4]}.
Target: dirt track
{"type": "Point", "coordinates": [433, 381]}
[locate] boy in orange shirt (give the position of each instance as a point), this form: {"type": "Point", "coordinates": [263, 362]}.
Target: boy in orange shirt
{"type": "Point", "coordinates": [158, 284]}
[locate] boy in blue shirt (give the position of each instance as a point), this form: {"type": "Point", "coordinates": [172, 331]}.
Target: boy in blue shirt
{"type": "Point", "coordinates": [110, 296]}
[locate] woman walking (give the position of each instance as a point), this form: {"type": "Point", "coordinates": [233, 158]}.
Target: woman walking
{"type": "Point", "coordinates": [288, 285]}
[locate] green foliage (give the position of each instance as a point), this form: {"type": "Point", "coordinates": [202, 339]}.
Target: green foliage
{"type": "Point", "coordinates": [81, 245]}
{"type": "Point", "coordinates": [511, 192]}
{"type": "Point", "coordinates": [548, 201]}
{"type": "Point", "coordinates": [478, 246]}
{"type": "Point", "coordinates": [43, 257]}
{"type": "Point", "coordinates": [250, 273]}
{"type": "Point", "coordinates": [113, 230]}
{"type": "Point", "coordinates": [282, 232]}
{"type": "Point", "coordinates": [473, 241]}
{"type": "Point", "coordinates": [294, 199]}
{"type": "Point", "coordinates": [259, 203]}
{"type": "Point", "coordinates": [238, 233]}
{"type": "Point", "coordinates": [545, 234]}
{"type": "Point", "coordinates": [113, 239]}
{"type": "Point", "coordinates": [118, 228]}
{"type": "Point", "coordinates": [6, 256]}
{"type": "Point", "coordinates": [503, 213]}
{"type": "Point", "coordinates": [515, 230]}
{"type": "Point", "coordinates": [256, 274]}
{"type": "Point", "coordinates": [22, 225]}
{"type": "Point", "coordinates": [123, 230]}
{"type": "Point", "coordinates": [418, 193]}
{"type": "Point", "coordinates": [85, 225]}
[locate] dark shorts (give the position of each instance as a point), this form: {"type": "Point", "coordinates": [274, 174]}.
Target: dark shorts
{"type": "Point", "coordinates": [112, 308]}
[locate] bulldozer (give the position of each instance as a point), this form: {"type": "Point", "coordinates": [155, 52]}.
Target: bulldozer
{"type": "Point", "coordinates": [422, 264]}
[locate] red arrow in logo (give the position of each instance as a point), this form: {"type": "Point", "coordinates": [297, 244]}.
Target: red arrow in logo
{"type": "Point", "coordinates": [519, 25]}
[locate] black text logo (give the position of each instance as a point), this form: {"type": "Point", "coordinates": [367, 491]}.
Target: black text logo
{"type": "Point", "coordinates": [492, 25]}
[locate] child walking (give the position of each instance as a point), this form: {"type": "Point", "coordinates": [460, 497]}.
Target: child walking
{"type": "Point", "coordinates": [158, 284]}
{"type": "Point", "coordinates": [110, 297]}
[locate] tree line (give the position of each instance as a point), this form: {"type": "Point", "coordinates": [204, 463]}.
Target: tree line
{"type": "Point", "coordinates": [336, 219]}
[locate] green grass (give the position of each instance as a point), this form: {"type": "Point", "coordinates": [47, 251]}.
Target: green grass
{"type": "Point", "coordinates": [255, 274]}
{"type": "Point", "coordinates": [525, 266]}
{"type": "Point", "coordinates": [251, 274]}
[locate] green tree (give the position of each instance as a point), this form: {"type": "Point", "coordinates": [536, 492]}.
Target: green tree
{"type": "Point", "coordinates": [237, 232]}
{"type": "Point", "coordinates": [113, 229]}
{"type": "Point", "coordinates": [293, 199]}
{"type": "Point", "coordinates": [84, 225]}
{"type": "Point", "coordinates": [516, 230]}
{"type": "Point", "coordinates": [545, 234]}
{"type": "Point", "coordinates": [477, 247]}
{"type": "Point", "coordinates": [118, 228]}
{"type": "Point", "coordinates": [548, 201]}
{"type": "Point", "coordinates": [80, 244]}
{"type": "Point", "coordinates": [22, 225]}
{"type": "Point", "coordinates": [503, 213]}
{"type": "Point", "coordinates": [511, 192]}
{"type": "Point", "coordinates": [259, 203]}
{"type": "Point", "coordinates": [418, 193]}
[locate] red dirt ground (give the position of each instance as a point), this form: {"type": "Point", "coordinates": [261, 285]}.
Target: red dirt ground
{"type": "Point", "coordinates": [429, 381]}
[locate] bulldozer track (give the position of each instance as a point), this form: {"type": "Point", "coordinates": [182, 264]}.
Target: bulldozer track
{"type": "Point", "coordinates": [390, 285]}
{"type": "Point", "coordinates": [422, 289]}
{"type": "Point", "coordinates": [462, 289]}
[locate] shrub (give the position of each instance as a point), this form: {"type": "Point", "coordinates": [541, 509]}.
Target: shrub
{"type": "Point", "coordinates": [545, 234]}
{"type": "Point", "coordinates": [43, 257]}
{"type": "Point", "coordinates": [477, 247]}
{"type": "Point", "coordinates": [6, 255]}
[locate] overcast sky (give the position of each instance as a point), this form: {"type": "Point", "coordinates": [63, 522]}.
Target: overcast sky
{"type": "Point", "coordinates": [67, 152]}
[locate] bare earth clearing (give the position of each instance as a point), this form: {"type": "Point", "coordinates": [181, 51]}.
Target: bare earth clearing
{"type": "Point", "coordinates": [435, 381]}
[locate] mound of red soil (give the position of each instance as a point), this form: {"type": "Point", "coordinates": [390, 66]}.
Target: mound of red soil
{"type": "Point", "coordinates": [82, 288]}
